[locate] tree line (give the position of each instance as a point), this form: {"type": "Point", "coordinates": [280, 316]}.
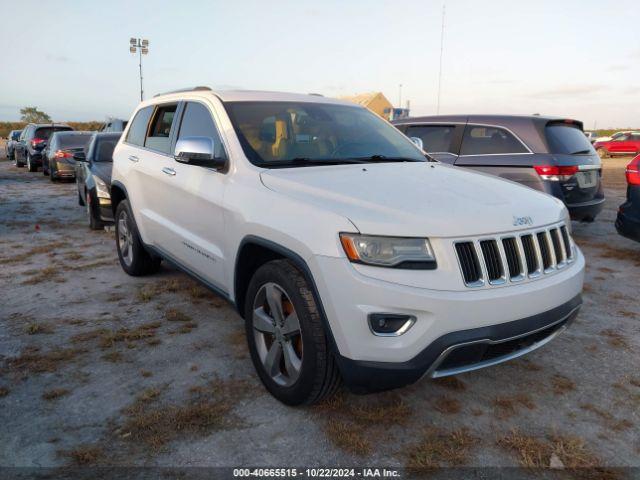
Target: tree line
{"type": "Point", "coordinates": [33, 115]}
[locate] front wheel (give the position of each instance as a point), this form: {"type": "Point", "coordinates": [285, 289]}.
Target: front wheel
{"type": "Point", "coordinates": [287, 340]}
{"type": "Point", "coordinates": [602, 152]}
{"type": "Point", "coordinates": [134, 258]}
{"type": "Point", "coordinates": [94, 220]}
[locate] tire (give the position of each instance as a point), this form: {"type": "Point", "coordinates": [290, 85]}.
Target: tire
{"type": "Point", "coordinates": [134, 258]}
{"type": "Point", "coordinates": [94, 221]}
{"type": "Point", "coordinates": [30, 166]}
{"type": "Point", "coordinates": [317, 374]}
{"type": "Point", "coordinates": [45, 170]}
{"type": "Point", "coordinates": [18, 163]}
{"type": "Point", "coordinates": [602, 152]}
{"type": "Point", "coordinates": [80, 200]}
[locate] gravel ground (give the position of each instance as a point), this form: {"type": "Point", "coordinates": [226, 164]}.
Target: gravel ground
{"type": "Point", "coordinates": [99, 368]}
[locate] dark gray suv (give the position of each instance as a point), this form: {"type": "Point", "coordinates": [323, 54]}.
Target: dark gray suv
{"type": "Point", "coordinates": [548, 154]}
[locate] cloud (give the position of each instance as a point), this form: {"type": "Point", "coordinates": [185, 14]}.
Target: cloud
{"type": "Point", "coordinates": [617, 68]}
{"type": "Point", "coordinates": [571, 91]}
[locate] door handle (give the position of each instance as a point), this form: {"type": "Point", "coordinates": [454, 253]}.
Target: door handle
{"type": "Point", "coordinates": [169, 171]}
{"type": "Point", "coordinates": [133, 158]}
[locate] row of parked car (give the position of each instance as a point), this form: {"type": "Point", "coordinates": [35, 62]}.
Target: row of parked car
{"type": "Point", "coordinates": [351, 253]}
{"type": "Point", "coordinates": [64, 153]}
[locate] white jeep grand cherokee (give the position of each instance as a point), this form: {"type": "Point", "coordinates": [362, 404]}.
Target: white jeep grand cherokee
{"type": "Point", "coordinates": [350, 255]}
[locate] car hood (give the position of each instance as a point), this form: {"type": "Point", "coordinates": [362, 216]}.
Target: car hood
{"type": "Point", "coordinates": [103, 171]}
{"type": "Point", "coordinates": [417, 199]}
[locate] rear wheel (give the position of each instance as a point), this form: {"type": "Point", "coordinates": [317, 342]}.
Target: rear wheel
{"type": "Point", "coordinates": [45, 170]}
{"type": "Point", "coordinates": [288, 344]}
{"type": "Point", "coordinates": [602, 152]}
{"type": "Point", "coordinates": [134, 258]}
{"type": "Point", "coordinates": [30, 165]}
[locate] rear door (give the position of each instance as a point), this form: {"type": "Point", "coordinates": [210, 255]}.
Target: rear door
{"type": "Point", "coordinates": [441, 141]}
{"type": "Point", "coordinates": [154, 202]}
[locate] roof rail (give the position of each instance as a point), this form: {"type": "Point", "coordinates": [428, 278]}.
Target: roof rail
{"type": "Point", "coordinates": [192, 89]}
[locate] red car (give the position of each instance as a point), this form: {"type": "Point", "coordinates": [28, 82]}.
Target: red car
{"type": "Point", "coordinates": [627, 144]}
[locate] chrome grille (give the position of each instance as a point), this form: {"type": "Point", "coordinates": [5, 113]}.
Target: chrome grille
{"type": "Point", "coordinates": [513, 258]}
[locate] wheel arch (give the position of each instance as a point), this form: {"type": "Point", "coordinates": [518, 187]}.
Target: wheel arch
{"type": "Point", "coordinates": [118, 193]}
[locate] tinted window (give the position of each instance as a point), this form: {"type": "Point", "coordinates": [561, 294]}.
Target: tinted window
{"type": "Point", "coordinates": [16, 135]}
{"type": "Point", "coordinates": [45, 132]}
{"type": "Point", "coordinates": [635, 137]}
{"type": "Point", "coordinates": [197, 122]}
{"type": "Point", "coordinates": [480, 140]}
{"type": "Point", "coordinates": [281, 132]}
{"type": "Point", "coordinates": [567, 139]}
{"type": "Point", "coordinates": [138, 128]}
{"type": "Point", "coordinates": [158, 138]}
{"type": "Point", "coordinates": [435, 138]}
{"type": "Point", "coordinates": [73, 141]}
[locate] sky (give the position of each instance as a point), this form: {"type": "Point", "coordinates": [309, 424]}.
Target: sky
{"type": "Point", "coordinates": [577, 59]}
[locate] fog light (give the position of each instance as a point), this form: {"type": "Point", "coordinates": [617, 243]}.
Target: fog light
{"type": "Point", "coordinates": [390, 324]}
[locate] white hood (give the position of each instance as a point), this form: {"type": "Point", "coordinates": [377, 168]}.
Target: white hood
{"type": "Point", "coordinates": [416, 199]}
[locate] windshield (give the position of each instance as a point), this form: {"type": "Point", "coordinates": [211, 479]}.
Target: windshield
{"type": "Point", "coordinates": [567, 139]}
{"type": "Point", "coordinates": [303, 133]}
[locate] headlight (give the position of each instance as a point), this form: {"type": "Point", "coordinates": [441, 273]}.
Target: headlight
{"type": "Point", "coordinates": [101, 188]}
{"type": "Point", "coordinates": [396, 252]}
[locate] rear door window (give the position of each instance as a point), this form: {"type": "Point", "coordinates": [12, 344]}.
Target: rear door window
{"type": "Point", "coordinates": [566, 139]}
{"type": "Point", "coordinates": [485, 140]}
{"type": "Point", "coordinates": [160, 129]}
{"type": "Point", "coordinates": [138, 130]}
{"type": "Point", "coordinates": [435, 138]}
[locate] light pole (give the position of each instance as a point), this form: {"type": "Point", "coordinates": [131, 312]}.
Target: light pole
{"type": "Point", "coordinates": [142, 47]}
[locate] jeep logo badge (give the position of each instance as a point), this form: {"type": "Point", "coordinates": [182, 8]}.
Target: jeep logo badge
{"type": "Point", "coordinates": [519, 221]}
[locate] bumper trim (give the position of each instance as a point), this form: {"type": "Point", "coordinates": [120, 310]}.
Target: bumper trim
{"type": "Point", "coordinates": [433, 372]}
{"type": "Point", "coordinates": [363, 376]}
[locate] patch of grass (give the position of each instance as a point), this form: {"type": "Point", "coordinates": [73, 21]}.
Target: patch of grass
{"type": "Point", "coordinates": [451, 383]}
{"type": "Point", "coordinates": [187, 327]}
{"type": "Point", "coordinates": [4, 391]}
{"type": "Point", "coordinates": [562, 384]}
{"type": "Point", "coordinates": [85, 455]}
{"type": "Point", "coordinates": [113, 357]}
{"type": "Point", "coordinates": [627, 314]}
{"type": "Point", "coordinates": [31, 361]}
{"type": "Point", "coordinates": [571, 451]}
{"type": "Point", "coordinates": [152, 342]}
{"type": "Point", "coordinates": [141, 332]}
{"type": "Point", "coordinates": [609, 420]}
{"type": "Point", "coordinates": [438, 448]}
{"type": "Point", "coordinates": [36, 328]}
{"type": "Point", "coordinates": [447, 405]}
{"type": "Point", "coordinates": [51, 272]}
{"type": "Point", "coordinates": [54, 393]}
{"type": "Point", "coordinates": [88, 336]}
{"type": "Point", "coordinates": [115, 297]}
{"type": "Point", "coordinates": [615, 339]}
{"type": "Point", "coordinates": [146, 373]}
{"type": "Point", "coordinates": [38, 250]}
{"type": "Point", "coordinates": [201, 415]}
{"type": "Point", "coordinates": [174, 315]}
{"type": "Point", "coordinates": [507, 406]}
{"type": "Point", "coordinates": [347, 436]}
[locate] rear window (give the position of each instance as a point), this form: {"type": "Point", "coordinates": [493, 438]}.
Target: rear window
{"type": "Point", "coordinates": [73, 141]}
{"type": "Point", "coordinates": [567, 140]}
{"type": "Point", "coordinates": [435, 138]}
{"type": "Point", "coordinates": [45, 132]}
{"type": "Point", "coordinates": [483, 140]}
{"type": "Point", "coordinates": [16, 135]}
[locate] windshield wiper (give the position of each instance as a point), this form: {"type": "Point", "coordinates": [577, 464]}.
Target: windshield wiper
{"type": "Point", "coordinates": [581, 152]}
{"type": "Point", "coordinates": [384, 158]}
{"type": "Point", "coordinates": [301, 161]}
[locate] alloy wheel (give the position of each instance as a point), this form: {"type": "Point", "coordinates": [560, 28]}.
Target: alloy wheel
{"type": "Point", "coordinates": [125, 239]}
{"type": "Point", "coordinates": [277, 334]}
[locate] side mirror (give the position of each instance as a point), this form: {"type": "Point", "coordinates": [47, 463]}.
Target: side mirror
{"type": "Point", "coordinates": [198, 151]}
{"type": "Point", "coordinates": [79, 157]}
{"type": "Point", "coordinates": [417, 142]}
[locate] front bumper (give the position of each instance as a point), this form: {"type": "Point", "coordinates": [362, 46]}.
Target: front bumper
{"type": "Point", "coordinates": [444, 319]}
